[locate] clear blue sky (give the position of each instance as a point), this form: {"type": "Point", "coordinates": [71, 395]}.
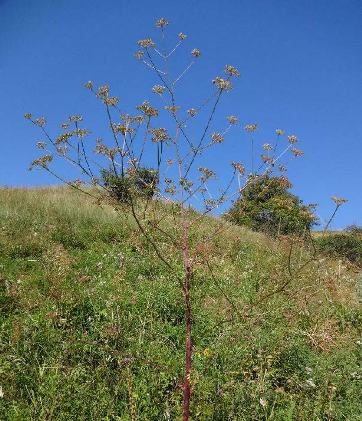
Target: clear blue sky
{"type": "Point", "coordinates": [300, 64]}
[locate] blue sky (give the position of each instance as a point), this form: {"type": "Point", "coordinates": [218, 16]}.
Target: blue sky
{"type": "Point", "coordinates": [300, 64]}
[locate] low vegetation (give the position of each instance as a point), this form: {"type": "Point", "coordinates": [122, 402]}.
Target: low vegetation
{"type": "Point", "coordinates": [92, 325]}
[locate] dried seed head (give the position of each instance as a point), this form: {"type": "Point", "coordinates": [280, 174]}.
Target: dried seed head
{"type": "Point", "coordinates": [196, 53]}
{"type": "Point", "coordinates": [64, 125]}
{"type": "Point", "coordinates": [279, 132]}
{"type": "Point", "coordinates": [232, 119]}
{"type": "Point", "coordinates": [111, 100]}
{"type": "Point", "coordinates": [223, 84]}
{"type": "Point", "coordinates": [267, 159]}
{"type": "Point", "coordinates": [146, 43]}
{"type": "Point", "coordinates": [75, 118]}
{"type": "Point", "coordinates": [89, 84]}
{"type": "Point", "coordinates": [159, 135]}
{"type": "Point", "coordinates": [43, 161]}
{"type": "Point", "coordinates": [339, 200]}
{"type": "Point", "coordinates": [158, 89]}
{"type": "Point", "coordinates": [41, 122]}
{"type": "Point", "coordinates": [239, 167]}
{"type": "Point", "coordinates": [28, 116]}
{"type": "Point", "coordinates": [41, 145]}
{"type": "Point", "coordinates": [182, 36]}
{"type": "Point", "coordinates": [267, 147]}
{"type": "Point", "coordinates": [282, 168]}
{"type": "Point", "coordinates": [292, 139]}
{"type": "Point", "coordinates": [217, 138]}
{"type": "Point", "coordinates": [161, 23]}
{"type": "Point", "coordinates": [192, 112]}
{"type": "Point", "coordinates": [231, 70]}
{"type": "Point", "coordinates": [251, 127]}
{"type": "Point", "coordinates": [146, 108]}
{"type": "Point", "coordinates": [172, 108]}
{"type": "Point", "coordinates": [139, 55]}
{"type": "Point", "coordinates": [297, 152]}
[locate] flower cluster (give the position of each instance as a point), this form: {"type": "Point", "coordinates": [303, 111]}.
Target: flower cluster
{"type": "Point", "coordinates": [206, 173]}
{"type": "Point", "coordinates": [161, 23]}
{"type": "Point", "coordinates": [339, 200]}
{"type": "Point", "coordinates": [239, 167]}
{"type": "Point", "coordinates": [43, 161]}
{"type": "Point", "coordinates": [158, 89]}
{"type": "Point", "coordinates": [251, 127]}
{"type": "Point", "coordinates": [75, 118]}
{"type": "Point", "coordinates": [139, 55]}
{"type": "Point", "coordinates": [292, 139]}
{"type": "Point", "coordinates": [146, 43]}
{"type": "Point", "coordinates": [41, 122]}
{"type": "Point", "coordinates": [279, 132]}
{"type": "Point", "coordinates": [267, 159]}
{"type": "Point", "coordinates": [232, 119]}
{"type": "Point", "coordinates": [121, 128]}
{"type": "Point", "coordinates": [217, 138]}
{"type": "Point", "coordinates": [231, 70]}
{"type": "Point", "coordinates": [223, 84]}
{"type": "Point", "coordinates": [192, 112]}
{"type": "Point", "coordinates": [172, 108]}
{"type": "Point", "coordinates": [267, 147]}
{"type": "Point", "coordinates": [182, 36]}
{"type": "Point", "coordinates": [196, 53]}
{"type": "Point", "coordinates": [159, 135]}
{"type": "Point", "coordinates": [297, 152]}
{"type": "Point", "coordinates": [89, 84]}
{"type": "Point", "coordinates": [146, 108]}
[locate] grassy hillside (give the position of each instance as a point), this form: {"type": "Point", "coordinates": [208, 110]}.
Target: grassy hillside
{"type": "Point", "coordinates": [92, 326]}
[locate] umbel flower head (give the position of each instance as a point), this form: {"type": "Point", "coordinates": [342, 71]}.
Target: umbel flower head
{"type": "Point", "coordinates": [292, 139]}
{"type": "Point", "coordinates": [192, 112]}
{"type": "Point", "coordinates": [297, 152]}
{"type": "Point", "coordinates": [146, 108]}
{"type": "Point", "coordinates": [161, 23]}
{"type": "Point", "coordinates": [196, 53]}
{"type": "Point", "coordinates": [182, 36]}
{"type": "Point", "coordinates": [251, 127]}
{"type": "Point", "coordinates": [279, 132]}
{"type": "Point", "coordinates": [239, 167]}
{"type": "Point", "coordinates": [158, 89]}
{"type": "Point", "coordinates": [231, 70]}
{"type": "Point", "coordinates": [232, 119]}
{"type": "Point", "coordinates": [267, 147]}
{"type": "Point", "coordinates": [159, 135]}
{"type": "Point", "coordinates": [339, 200]}
{"type": "Point", "coordinates": [223, 84]}
{"type": "Point", "coordinates": [146, 43]}
{"type": "Point", "coordinates": [217, 138]}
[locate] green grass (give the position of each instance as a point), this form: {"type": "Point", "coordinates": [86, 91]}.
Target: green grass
{"type": "Point", "coordinates": [91, 323]}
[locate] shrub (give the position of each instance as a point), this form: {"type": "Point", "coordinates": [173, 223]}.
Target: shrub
{"type": "Point", "coordinates": [140, 182]}
{"type": "Point", "coordinates": [345, 245]}
{"type": "Point", "coordinates": [265, 204]}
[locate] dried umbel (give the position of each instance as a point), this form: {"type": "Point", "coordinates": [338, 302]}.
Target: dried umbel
{"type": "Point", "coordinates": [161, 23]}
{"type": "Point", "coordinates": [41, 145]}
{"type": "Point", "coordinates": [89, 84]}
{"type": "Point", "coordinates": [279, 132]}
{"type": "Point", "coordinates": [239, 167]}
{"type": "Point", "coordinates": [158, 89]}
{"type": "Point", "coordinates": [172, 108]}
{"type": "Point", "coordinates": [267, 147]}
{"type": "Point", "coordinates": [182, 36]}
{"type": "Point", "coordinates": [223, 84]}
{"type": "Point", "coordinates": [292, 139]}
{"type": "Point", "coordinates": [251, 127]}
{"type": "Point", "coordinates": [232, 119]}
{"type": "Point", "coordinates": [231, 70]}
{"type": "Point", "coordinates": [146, 108]}
{"type": "Point", "coordinates": [267, 159]}
{"type": "Point", "coordinates": [139, 55]}
{"type": "Point", "coordinates": [159, 135]}
{"type": "Point", "coordinates": [41, 122]}
{"type": "Point", "coordinates": [339, 200]}
{"type": "Point", "coordinates": [146, 43]}
{"type": "Point", "coordinates": [297, 152]}
{"type": "Point", "coordinates": [206, 173]}
{"type": "Point", "coordinates": [192, 112]}
{"type": "Point", "coordinates": [196, 53]}
{"type": "Point", "coordinates": [217, 138]}
{"type": "Point", "coordinates": [43, 161]}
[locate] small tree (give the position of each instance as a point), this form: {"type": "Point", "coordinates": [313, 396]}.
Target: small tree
{"type": "Point", "coordinates": [266, 205]}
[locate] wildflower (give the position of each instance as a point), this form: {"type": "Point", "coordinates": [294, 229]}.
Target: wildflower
{"type": "Point", "coordinates": [75, 118]}
{"type": "Point", "coordinates": [217, 138]}
{"type": "Point", "coordinates": [28, 116]}
{"type": "Point", "coordinates": [172, 108]}
{"type": "Point", "coordinates": [251, 127]}
{"type": "Point", "coordinates": [192, 112]}
{"type": "Point", "coordinates": [42, 161]}
{"type": "Point", "coordinates": [231, 70]}
{"type": "Point", "coordinates": [89, 84]}
{"type": "Point", "coordinates": [279, 132]}
{"type": "Point", "coordinates": [223, 84]}
{"type": "Point", "coordinates": [292, 139]}
{"type": "Point", "coordinates": [41, 145]}
{"type": "Point", "coordinates": [182, 36]}
{"type": "Point", "coordinates": [158, 89]}
{"type": "Point", "coordinates": [112, 101]}
{"type": "Point", "coordinates": [145, 43]}
{"type": "Point", "coordinates": [146, 108]}
{"type": "Point", "coordinates": [159, 135]}
{"type": "Point", "coordinates": [196, 53]}
{"type": "Point", "coordinates": [297, 152]}
{"type": "Point", "coordinates": [139, 55]}
{"type": "Point", "coordinates": [239, 167]}
{"type": "Point", "coordinates": [161, 23]}
{"type": "Point", "coordinates": [339, 200]}
{"type": "Point", "coordinates": [267, 147]}
{"type": "Point", "coordinates": [232, 119]}
{"type": "Point", "coordinates": [41, 122]}
{"type": "Point", "coordinates": [206, 173]}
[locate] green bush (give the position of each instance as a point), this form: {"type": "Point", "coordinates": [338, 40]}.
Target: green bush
{"type": "Point", "coordinates": [140, 182]}
{"type": "Point", "coordinates": [265, 204]}
{"type": "Point", "coordinates": [345, 245]}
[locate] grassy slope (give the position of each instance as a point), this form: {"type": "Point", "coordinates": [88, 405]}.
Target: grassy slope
{"type": "Point", "coordinates": [91, 324]}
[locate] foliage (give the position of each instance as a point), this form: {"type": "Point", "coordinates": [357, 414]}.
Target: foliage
{"type": "Point", "coordinates": [346, 245]}
{"type": "Point", "coordinates": [265, 204]}
{"type": "Point", "coordinates": [140, 182]}
{"type": "Point", "coordinates": [91, 324]}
